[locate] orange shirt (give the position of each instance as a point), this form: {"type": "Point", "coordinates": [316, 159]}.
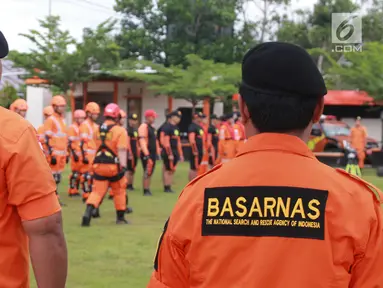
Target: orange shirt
{"type": "Point", "coordinates": [88, 134]}
{"type": "Point", "coordinates": [27, 193]}
{"type": "Point", "coordinates": [117, 137]}
{"type": "Point", "coordinates": [74, 136]}
{"type": "Point", "coordinates": [358, 137]}
{"type": "Point", "coordinates": [274, 216]}
{"type": "Point", "coordinates": [56, 130]}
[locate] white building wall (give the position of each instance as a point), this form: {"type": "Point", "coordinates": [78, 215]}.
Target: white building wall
{"type": "Point", "coordinates": [37, 99]}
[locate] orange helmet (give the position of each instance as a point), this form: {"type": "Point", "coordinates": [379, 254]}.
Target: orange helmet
{"type": "Point", "coordinates": [48, 111]}
{"type": "Point", "coordinates": [58, 100]}
{"type": "Point", "coordinates": [92, 107]}
{"type": "Point", "coordinates": [19, 104]}
{"type": "Point", "coordinates": [122, 113]}
{"type": "Point", "coordinates": [79, 114]}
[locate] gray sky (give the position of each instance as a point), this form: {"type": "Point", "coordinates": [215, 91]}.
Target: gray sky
{"type": "Point", "coordinates": [18, 16]}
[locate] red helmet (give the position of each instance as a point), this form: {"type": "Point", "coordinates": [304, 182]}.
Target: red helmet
{"type": "Point", "coordinates": [112, 110]}
{"type": "Point", "coordinates": [79, 114]}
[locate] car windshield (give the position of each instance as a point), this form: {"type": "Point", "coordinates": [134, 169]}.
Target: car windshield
{"type": "Point", "coordinates": [335, 130]}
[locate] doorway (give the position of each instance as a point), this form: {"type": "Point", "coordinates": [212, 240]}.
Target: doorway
{"type": "Point", "coordinates": [134, 105]}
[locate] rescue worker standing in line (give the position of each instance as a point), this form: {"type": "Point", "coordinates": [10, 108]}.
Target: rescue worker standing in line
{"type": "Point", "coordinates": [75, 152]}
{"type": "Point", "coordinates": [109, 166]}
{"type": "Point", "coordinates": [134, 146]}
{"type": "Point", "coordinates": [149, 148]}
{"type": "Point", "coordinates": [359, 141]}
{"type": "Point", "coordinates": [239, 131]}
{"type": "Point", "coordinates": [213, 139]}
{"type": "Point", "coordinates": [171, 148]}
{"type": "Point", "coordinates": [197, 144]}
{"type": "Point", "coordinates": [19, 106]}
{"type": "Point", "coordinates": [57, 138]}
{"type": "Point", "coordinates": [227, 144]}
{"type": "Point", "coordinates": [163, 172]}
{"type": "Point", "coordinates": [274, 216]}
{"type": "Point", "coordinates": [88, 145]}
{"type": "Point", "coordinates": [47, 112]}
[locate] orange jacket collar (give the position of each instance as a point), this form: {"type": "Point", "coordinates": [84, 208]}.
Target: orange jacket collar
{"type": "Point", "coordinates": [276, 142]}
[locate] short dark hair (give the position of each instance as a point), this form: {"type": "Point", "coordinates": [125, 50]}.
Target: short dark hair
{"type": "Point", "coordinates": [278, 113]}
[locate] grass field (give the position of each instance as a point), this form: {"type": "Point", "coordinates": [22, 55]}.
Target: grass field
{"type": "Point", "coordinates": [106, 255]}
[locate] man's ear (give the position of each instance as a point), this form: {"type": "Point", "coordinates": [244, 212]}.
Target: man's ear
{"type": "Point", "coordinates": [318, 112]}
{"type": "Point", "coordinates": [243, 110]}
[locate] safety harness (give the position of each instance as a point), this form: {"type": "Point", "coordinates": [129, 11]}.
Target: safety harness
{"type": "Point", "coordinates": [105, 155]}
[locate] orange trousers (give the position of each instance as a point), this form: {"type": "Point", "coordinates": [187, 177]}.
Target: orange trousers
{"type": "Point", "coordinates": [75, 176]}
{"type": "Point", "coordinates": [60, 163]}
{"type": "Point", "coordinates": [86, 180]}
{"type": "Point", "coordinates": [361, 157]}
{"type": "Point", "coordinates": [100, 187]}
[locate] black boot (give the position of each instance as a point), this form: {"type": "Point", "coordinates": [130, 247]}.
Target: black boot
{"type": "Point", "coordinates": [168, 189]}
{"type": "Point", "coordinates": [87, 215]}
{"type": "Point", "coordinates": [130, 187]}
{"type": "Point", "coordinates": [110, 197]}
{"type": "Point", "coordinates": [147, 192]}
{"type": "Point", "coordinates": [121, 217]}
{"type": "Point", "coordinates": [96, 213]}
{"type": "Point", "coordinates": [129, 210]}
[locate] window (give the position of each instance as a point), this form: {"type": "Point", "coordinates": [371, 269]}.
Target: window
{"type": "Point", "coordinates": [336, 130]}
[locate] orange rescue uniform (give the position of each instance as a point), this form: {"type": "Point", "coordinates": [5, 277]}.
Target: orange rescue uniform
{"type": "Point", "coordinates": [76, 158]}
{"type": "Point", "coordinates": [89, 143]}
{"type": "Point", "coordinates": [287, 220]}
{"type": "Point", "coordinates": [27, 193]}
{"type": "Point", "coordinates": [42, 140]}
{"type": "Point", "coordinates": [239, 134]}
{"type": "Point", "coordinates": [358, 142]}
{"type": "Point", "coordinates": [56, 132]}
{"type": "Point", "coordinates": [116, 139]}
{"type": "Point", "coordinates": [227, 147]}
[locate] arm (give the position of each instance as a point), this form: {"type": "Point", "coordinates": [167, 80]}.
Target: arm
{"type": "Point", "coordinates": [122, 144]}
{"type": "Point", "coordinates": [192, 142]}
{"type": "Point", "coordinates": [38, 207]}
{"type": "Point", "coordinates": [165, 142]}
{"type": "Point", "coordinates": [209, 142]}
{"type": "Point", "coordinates": [179, 147]}
{"type": "Point", "coordinates": [142, 136]}
{"type": "Point", "coordinates": [366, 271]}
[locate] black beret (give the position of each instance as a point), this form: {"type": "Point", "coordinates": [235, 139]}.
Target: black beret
{"type": "Point", "coordinates": [174, 113]}
{"type": "Point", "coordinates": [282, 69]}
{"type": "Point", "coordinates": [3, 46]}
{"type": "Point", "coordinates": [133, 116]}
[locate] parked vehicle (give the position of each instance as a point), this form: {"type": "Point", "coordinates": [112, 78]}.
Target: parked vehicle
{"type": "Point", "coordinates": [332, 135]}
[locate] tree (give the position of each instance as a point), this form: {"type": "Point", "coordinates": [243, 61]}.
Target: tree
{"type": "Point", "coordinates": [52, 60]}
{"type": "Point", "coordinates": [164, 31]}
{"type": "Point", "coordinates": [201, 78]}
{"type": "Point", "coordinates": [8, 94]}
{"type": "Point", "coordinates": [361, 71]}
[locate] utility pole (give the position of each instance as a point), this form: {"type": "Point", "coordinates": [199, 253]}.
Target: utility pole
{"type": "Point", "coordinates": [50, 7]}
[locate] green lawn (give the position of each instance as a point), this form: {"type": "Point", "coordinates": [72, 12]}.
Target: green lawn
{"type": "Point", "coordinates": [106, 255]}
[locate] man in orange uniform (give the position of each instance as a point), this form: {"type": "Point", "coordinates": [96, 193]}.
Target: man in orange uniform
{"type": "Point", "coordinates": [359, 141]}
{"type": "Point", "coordinates": [75, 152]}
{"type": "Point", "coordinates": [57, 138]}
{"type": "Point", "coordinates": [19, 106]}
{"type": "Point", "coordinates": [134, 146]}
{"type": "Point", "coordinates": [109, 166]}
{"type": "Point", "coordinates": [227, 148]}
{"type": "Point", "coordinates": [47, 112]}
{"type": "Point", "coordinates": [213, 140]}
{"type": "Point", "coordinates": [274, 216]}
{"type": "Point", "coordinates": [149, 148]}
{"type": "Point", "coordinates": [30, 216]}
{"type": "Point", "coordinates": [239, 131]}
{"type": "Point", "coordinates": [196, 137]}
{"type": "Point", "coordinates": [88, 145]}
{"type": "Point", "coordinates": [171, 152]}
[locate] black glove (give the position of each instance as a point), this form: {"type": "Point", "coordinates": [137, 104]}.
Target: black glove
{"type": "Point", "coordinates": [85, 161]}
{"type": "Point", "coordinates": [75, 158]}
{"type": "Point", "coordinates": [67, 159]}
{"type": "Point", "coordinates": [53, 160]}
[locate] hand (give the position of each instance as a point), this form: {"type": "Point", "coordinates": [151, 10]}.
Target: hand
{"type": "Point", "coordinates": [171, 157]}
{"type": "Point", "coordinates": [195, 153]}
{"type": "Point", "coordinates": [130, 156]}
{"type": "Point", "coordinates": [53, 160]}
{"type": "Point", "coordinates": [75, 158]}
{"type": "Point", "coordinates": [182, 159]}
{"type": "Point", "coordinates": [85, 160]}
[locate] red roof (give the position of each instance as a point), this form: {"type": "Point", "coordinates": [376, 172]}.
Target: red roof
{"type": "Point", "coordinates": [348, 98]}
